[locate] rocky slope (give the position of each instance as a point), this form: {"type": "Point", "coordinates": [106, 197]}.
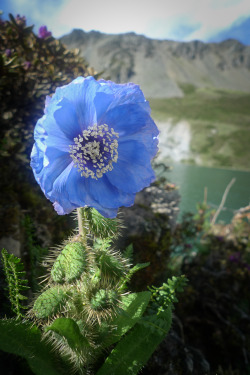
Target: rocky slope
{"type": "Point", "coordinates": [161, 67]}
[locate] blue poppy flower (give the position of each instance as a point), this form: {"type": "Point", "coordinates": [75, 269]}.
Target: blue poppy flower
{"type": "Point", "coordinates": [94, 146]}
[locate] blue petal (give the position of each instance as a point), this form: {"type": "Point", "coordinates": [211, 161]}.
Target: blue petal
{"type": "Point", "coordinates": [36, 162]}
{"type": "Point", "coordinates": [70, 192]}
{"type": "Point", "coordinates": [107, 194]}
{"type": "Point", "coordinates": [102, 103]}
{"type": "Point", "coordinates": [80, 93]}
{"type": "Point", "coordinates": [130, 119]}
{"type": "Point", "coordinates": [126, 93]}
{"type": "Point", "coordinates": [129, 179]}
{"type": "Point", "coordinates": [67, 120]}
{"type": "Point", "coordinates": [54, 162]}
{"type": "Point", "coordinates": [69, 187]}
{"type": "Point", "coordinates": [133, 170]}
{"type": "Point", "coordinates": [65, 209]}
{"type": "Point", "coordinates": [110, 213]}
{"type": "Point", "coordinates": [48, 134]}
{"type": "Point", "coordinates": [60, 193]}
{"type": "Point", "coordinates": [134, 153]}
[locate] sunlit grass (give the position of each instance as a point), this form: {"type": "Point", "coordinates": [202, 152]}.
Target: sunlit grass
{"type": "Point", "coordinates": [207, 105]}
{"type": "Point", "coordinates": [220, 123]}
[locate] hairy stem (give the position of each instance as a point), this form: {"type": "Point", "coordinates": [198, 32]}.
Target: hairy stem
{"type": "Point", "coordinates": [82, 224]}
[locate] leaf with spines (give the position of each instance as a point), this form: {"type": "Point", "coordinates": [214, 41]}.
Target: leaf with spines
{"type": "Point", "coordinates": [69, 329]}
{"type": "Point", "coordinates": [103, 299]}
{"type": "Point", "coordinates": [49, 302]}
{"type": "Point", "coordinates": [111, 264]}
{"type": "Point", "coordinates": [25, 339]}
{"type": "Point", "coordinates": [101, 227]}
{"type": "Point", "coordinates": [70, 263]}
{"type": "Point", "coordinates": [15, 275]}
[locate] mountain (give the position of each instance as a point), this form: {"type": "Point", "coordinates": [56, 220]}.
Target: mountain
{"type": "Point", "coordinates": [163, 67]}
{"type": "Point", "coordinates": [239, 30]}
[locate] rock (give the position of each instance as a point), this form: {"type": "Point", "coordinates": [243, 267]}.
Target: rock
{"type": "Point", "coordinates": [11, 245]}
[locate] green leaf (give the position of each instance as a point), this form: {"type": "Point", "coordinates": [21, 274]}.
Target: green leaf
{"type": "Point", "coordinates": [25, 340]}
{"type": "Point", "coordinates": [49, 302]}
{"type": "Point", "coordinates": [12, 19]}
{"type": "Point", "coordinates": [131, 272]}
{"type": "Point", "coordinates": [139, 267]}
{"type": "Point", "coordinates": [134, 349]}
{"type": "Point", "coordinates": [14, 271]}
{"type": "Point", "coordinates": [128, 253]}
{"type": "Point", "coordinates": [134, 306]}
{"type": "Point", "coordinates": [101, 227]}
{"type": "Point", "coordinates": [69, 329]}
{"type": "Point", "coordinates": [70, 263]}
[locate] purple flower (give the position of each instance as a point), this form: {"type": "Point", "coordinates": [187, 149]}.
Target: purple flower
{"type": "Point", "coordinates": [235, 257]}
{"type": "Point", "coordinates": [94, 146]}
{"type": "Point", "coordinates": [20, 20]}
{"type": "Point", "coordinates": [220, 238]}
{"type": "Point", "coordinates": [8, 52]}
{"type": "Point", "coordinates": [27, 65]}
{"type": "Point", "coordinates": [43, 32]}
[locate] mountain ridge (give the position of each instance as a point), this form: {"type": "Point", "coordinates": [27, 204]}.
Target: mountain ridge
{"type": "Point", "coordinates": [162, 67]}
{"type": "Point", "coordinates": [239, 30]}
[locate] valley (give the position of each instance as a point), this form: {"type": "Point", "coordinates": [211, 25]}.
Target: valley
{"type": "Point", "coordinates": [205, 127]}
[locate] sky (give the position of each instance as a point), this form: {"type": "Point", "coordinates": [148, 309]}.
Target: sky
{"type": "Point", "coordinates": [181, 20]}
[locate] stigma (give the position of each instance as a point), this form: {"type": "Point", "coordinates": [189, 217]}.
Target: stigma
{"type": "Point", "coordinates": [95, 151]}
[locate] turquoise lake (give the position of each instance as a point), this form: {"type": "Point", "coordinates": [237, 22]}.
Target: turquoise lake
{"type": "Point", "coordinates": [192, 181]}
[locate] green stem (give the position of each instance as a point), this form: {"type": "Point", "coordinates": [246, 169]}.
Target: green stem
{"type": "Point", "coordinates": [82, 224]}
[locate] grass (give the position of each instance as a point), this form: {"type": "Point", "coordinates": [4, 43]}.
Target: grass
{"type": "Point", "coordinates": [220, 123]}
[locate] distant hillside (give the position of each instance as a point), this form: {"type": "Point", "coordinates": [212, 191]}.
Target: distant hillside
{"type": "Point", "coordinates": [163, 67]}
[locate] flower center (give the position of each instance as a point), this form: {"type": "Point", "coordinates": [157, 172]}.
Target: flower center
{"type": "Point", "coordinates": [95, 151]}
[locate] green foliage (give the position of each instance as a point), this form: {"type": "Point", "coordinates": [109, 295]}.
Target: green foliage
{"type": "Point", "coordinates": [133, 307]}
{"type": "Point", "coordinates": [35, 251]}
{"type": "Point", "coordinates": [190, 236]}
{"type": "Point", "coordinates": [70, 264]}
{"type": "Point", "coordinates": [101, 227]}
{"type": "Point", "coordinates": [128, 253]}
{"type": "Point", "coordinates": [49, 302]}
{"type": "Point", "coordinates": [25, 340]}
{"type": "Point", "coordinates": [14, 271]}
{"type": "Point", "coordinates": [165, 296]}
{"type": "Point", "coordinates": [83, 299]}
{"type": "Point", "coordinates": [133, 351]}
{"type": "Point", "coordinates": [132, 271]}
{"type": "Point", "coordinates": [69, 329]}
{"type": "Point", "coordinates": [110, 263]}
{"type": "Point", "coordinates": [82, 310]}
{"type": "Point", "coordinates": [103, 299]}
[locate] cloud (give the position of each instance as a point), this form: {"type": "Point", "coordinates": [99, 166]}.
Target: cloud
{"type": "Point", "coordinates": [218, 15]}
{"type": "Point", "coordinates": [177, 28]}
{"type": "Point", "coordinates": [173, 19]}
{"type": "Point", "coordinates": [239, 30]}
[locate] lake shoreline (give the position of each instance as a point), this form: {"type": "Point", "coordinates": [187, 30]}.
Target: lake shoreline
{"type": "Point", "coordinates": [192, 180]}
